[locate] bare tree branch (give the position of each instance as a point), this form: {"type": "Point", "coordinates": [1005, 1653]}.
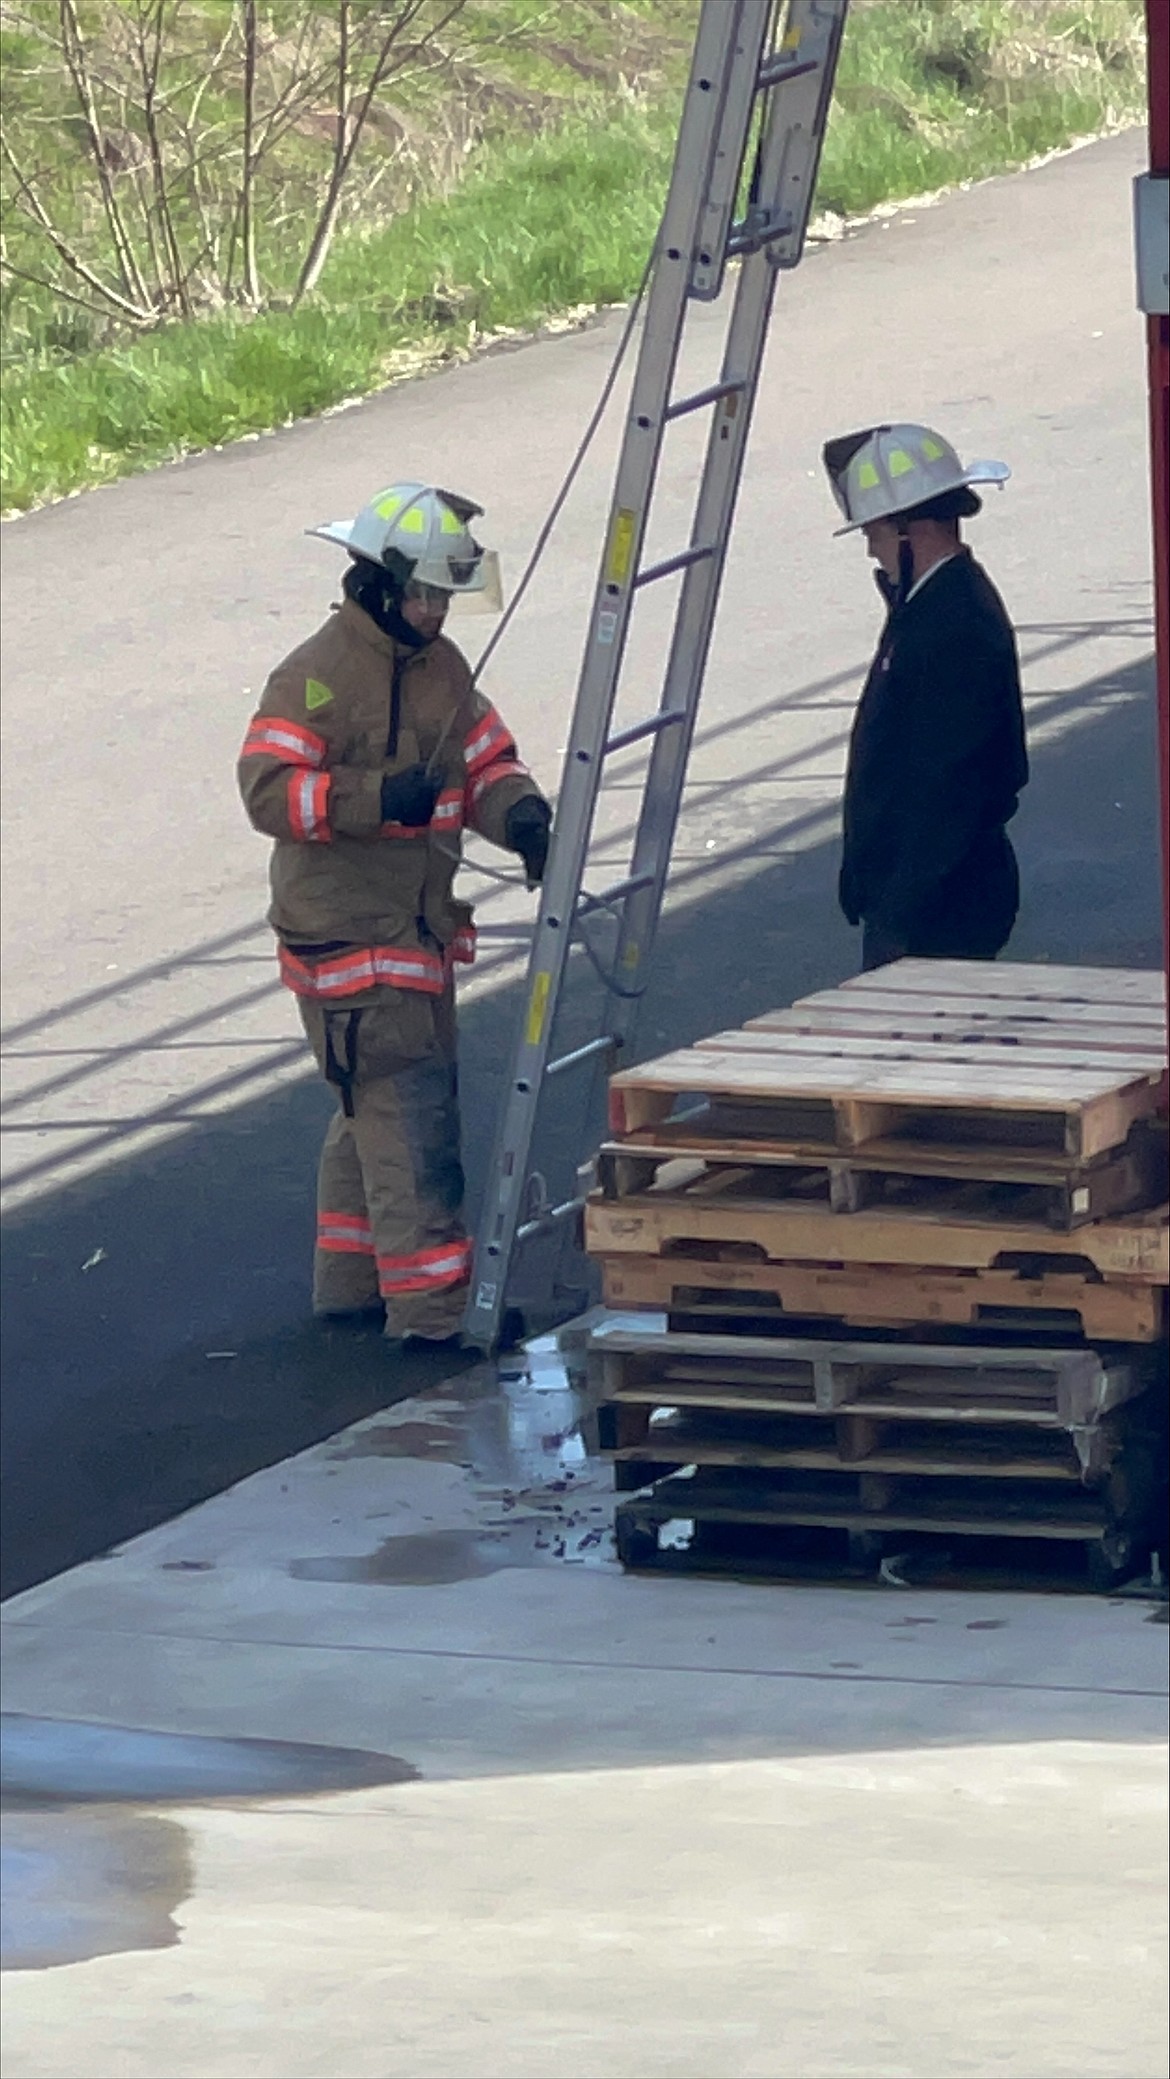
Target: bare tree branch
{"type": "Point", "coordinates": [42, 281]}
{"type": "Point", "coordinates": [148, 35]}
{"type": "Point", "coordinates": [212, 138]}
{"type": "Point", "coordinates": [349, 132]}
{"type": "Point", "coordinates": [73, 42]}
{"type": "Point", "coordinates": [250, 277]}
{"type": "Point", "coordinates": [28, 199]}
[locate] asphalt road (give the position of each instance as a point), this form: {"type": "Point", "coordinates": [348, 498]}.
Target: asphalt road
{"type": "Point", "coordinates": [160, 1129]}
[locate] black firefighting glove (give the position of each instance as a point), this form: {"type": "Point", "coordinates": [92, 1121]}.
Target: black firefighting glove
{"type": "Point", "coordinates": [409, 797]}
{"type": "Point", "coordinates": [526, 829]}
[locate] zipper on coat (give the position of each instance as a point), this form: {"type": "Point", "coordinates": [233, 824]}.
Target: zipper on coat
{"type": "Point", "coordinates": [396, 671]}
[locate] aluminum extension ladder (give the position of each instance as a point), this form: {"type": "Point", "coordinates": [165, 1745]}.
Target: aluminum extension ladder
{"type": "Point", "coordinates": [762, 74]}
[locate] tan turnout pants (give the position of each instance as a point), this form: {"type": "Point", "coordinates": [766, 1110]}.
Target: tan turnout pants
{"type": "Point", "coordinates": [390, 1182]}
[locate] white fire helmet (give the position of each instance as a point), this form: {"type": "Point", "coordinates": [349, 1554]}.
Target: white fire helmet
{"type": "Point", "coordinates": [420, 533]}
{"type": "Point", "coordinates": [887, 470]}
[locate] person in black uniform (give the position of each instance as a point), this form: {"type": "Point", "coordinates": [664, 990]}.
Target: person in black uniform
{"type": "Point", "coordinates": [937, 756]}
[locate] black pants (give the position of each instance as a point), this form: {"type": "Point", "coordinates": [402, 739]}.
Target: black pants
{"type": "Point", "coordinates": [970, 918]}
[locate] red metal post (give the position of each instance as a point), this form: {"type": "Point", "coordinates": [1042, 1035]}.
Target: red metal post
{"type": "Point", "coordinates": [1158, 344]}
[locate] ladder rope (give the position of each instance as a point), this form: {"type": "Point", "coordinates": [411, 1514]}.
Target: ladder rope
{"type": "Point", "coordinates": [571, 474]}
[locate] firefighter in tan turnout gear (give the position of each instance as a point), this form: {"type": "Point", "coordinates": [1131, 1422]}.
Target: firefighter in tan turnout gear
{"type": "Point", "coordinates": [370, 752]}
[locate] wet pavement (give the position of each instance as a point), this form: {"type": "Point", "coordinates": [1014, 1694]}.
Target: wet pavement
{"type": "Point", "coordinates": [86, 1883]}
{"type": "Point", "coordinates": [518, 1435]}
{"type": "Point", "coordinates": [428, 1787]}
{"type": "Point", "coordinates": [48, 1761]}
{"type": "Point", "coordinates": [90, 1867]}
{"type": "Point", "coordinates": [86, 1867]}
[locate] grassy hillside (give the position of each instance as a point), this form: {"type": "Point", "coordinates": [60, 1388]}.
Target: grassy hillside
{"type": "Point", "coordinates": [517, 181]}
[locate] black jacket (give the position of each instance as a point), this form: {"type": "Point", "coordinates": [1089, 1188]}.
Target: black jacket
{"type": "Point", "coordinates": [936, 763]}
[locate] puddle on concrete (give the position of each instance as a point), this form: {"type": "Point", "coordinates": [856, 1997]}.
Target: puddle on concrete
{"type": "Point", "coordinates": [51, 1760]}
{"type": "Point", "coordinates": [519, 1435]}
{"type": "Point", "coordinates": [436, 1558]}
{"type": "Point", "coordinates": [422, 1559]}
{"type": "Point", "coordinates": [86, 1872]}
{"type": "Point", "coordinates": [81, 1882]}
{"type": "Point", "coordinates": [438, 1439]}
{"type": "Point", "coordinates": [433, 1429]}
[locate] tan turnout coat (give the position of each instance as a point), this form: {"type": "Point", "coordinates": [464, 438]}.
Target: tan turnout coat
{"type": "Point", "coordinates": [358, 903]}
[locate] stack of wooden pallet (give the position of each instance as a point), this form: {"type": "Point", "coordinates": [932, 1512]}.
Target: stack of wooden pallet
{"type": "Point", "coordinates": [939, 1152]}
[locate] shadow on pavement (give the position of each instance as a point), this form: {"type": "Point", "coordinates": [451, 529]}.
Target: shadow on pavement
{"type": "Point", "coordinates": [185, 1360]}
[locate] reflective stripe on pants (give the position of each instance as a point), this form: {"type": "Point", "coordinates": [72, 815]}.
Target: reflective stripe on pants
{"type": "Point", "coordinates": [425, 1270]}
{"type": "Point", "coordinates": [345, 1234]}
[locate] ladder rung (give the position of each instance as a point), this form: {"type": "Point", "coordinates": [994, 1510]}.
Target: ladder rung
{"type": "Point", "coordinates": [765, 231]}
{"type": "Point", "coordinates": [650, 727]}
{"type": "Point", "coordinates": [586, 904]}
{"type": "Point", "coordinates": [711, 395]}
{"type": "Point", "coordinates": [579, 1054]}
{"type": "Point", "coordinates": [781, 69]}
{"type": "Point", "coordinates": [552, 1218]}
{"type": "Point", "coordinates": [682, 561]}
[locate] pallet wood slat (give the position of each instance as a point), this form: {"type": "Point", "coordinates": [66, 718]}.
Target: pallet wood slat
{"type": "Point", "coordinates": [690, 1499]}
{"type": "Point", "coordinates": [648, 1226]}
{"type": "Point", "coordinates": [699, 1451]}
{"type": "Point", "coordinates": [1016, 981]}
{"type": "Point", "coordinates": [793, 1049]}
{"type": "Point", "coordinates": [716, 1068]}
{"type": "Point", "coordinates": [995, 1410]}
{"type": "Point", "coordinates": [877, 1295]}
{"type": "Point", "coordinates": [1096, 1028]}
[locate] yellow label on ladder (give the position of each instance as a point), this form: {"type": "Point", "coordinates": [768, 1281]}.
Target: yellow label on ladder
{"type": "Point", "coordinates": [621, 544]}
{"type": "Point", "coordinates": [538, 1006]}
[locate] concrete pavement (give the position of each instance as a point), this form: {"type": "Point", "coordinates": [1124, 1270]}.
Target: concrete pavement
{"type": "Point", "coordinates": [606, 1825]}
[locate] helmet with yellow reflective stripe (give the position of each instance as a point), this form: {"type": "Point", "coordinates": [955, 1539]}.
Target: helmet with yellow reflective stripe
{"type": "Point", "coordinates": [887, 470]}
{"type": "Point", "coordinates": [419, 534]}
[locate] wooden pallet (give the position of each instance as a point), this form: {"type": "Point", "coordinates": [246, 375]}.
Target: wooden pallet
{"type": "Point", "coordinates": [847, 1499]}
{"type": "Point", "coordinates": [876, 1295]}
{"type": "Point", "coordinates": [1034, 1190]}
{"type": "Point", "coordinates": [707, 1527]}
{"type": "Point", "coordinates": [787, 1097]}
{"type": "Point", "coordinates": [961, 1053]}
{"type": "Point", "coordinates": [643, 1364]}
{"type": "Point", "coordinates": [708, 1223]}
{"type": "Point", "coordinates": [860, 1447]}
{"type": "Point", "coordinates": [645, 1441]}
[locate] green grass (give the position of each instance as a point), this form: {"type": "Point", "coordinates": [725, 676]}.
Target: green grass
{"type": "Point", "coordinates": [550, 227]}
{"type": "Point", "coordinates": [931, 91]}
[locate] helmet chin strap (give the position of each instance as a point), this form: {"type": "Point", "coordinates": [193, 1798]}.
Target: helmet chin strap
{"type": "Point", "coordinates": [905, 567]}
{"type": "Point", "coordinates": [380, 596]}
